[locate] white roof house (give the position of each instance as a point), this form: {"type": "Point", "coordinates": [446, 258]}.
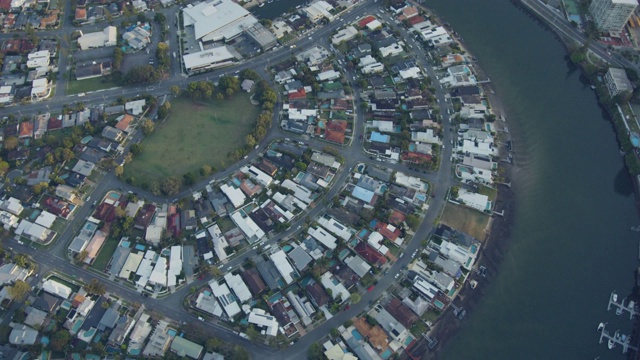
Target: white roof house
{"type": "Point", "coordinates": [159, 273]}
{"type": "Point", "coordinates": [250, 229]}
{"type": "Point", "coordinates": [258, 175]}
{"type": "Point", "coordinates": [265, 321]}
{"type": "Point", "coordinates": [345, 34]}
{"type": "Point", "coordinates": [235, 195]}
{"type": "Point", "coordinates": [223, 294]}
{"type": "Point", "coordinates": [153, 234]}
{"type": "Point", "coordinates": [130, 265]}
{"type": "Point", "coordinates": [57, 289]}
{"type": "Point", "coordinates": [238, 286]}
{"type": "Point", "coordinates": [411, 73]}
{"type": "Point", "coordinates": [328, 75]}
{"type": "Point", "coordinates": [373, 25]}
{"type": "Point", "coordinates": [135, 107]}
{"type": "Point", "coordinates": [8, 220]}
{"type": "Point", "coordinates": [45, 219]}
{"type": "Point", "coordinates": [336, 287]}
{"type": "Point", "coordinates": [175, 265]}
{"type": "Point", "coordinates": [409, 181]}
{"type": "Point", "coordinates": [12, 205]}
{"type": "Point", "coordinates": [219, 241]}
{"type": "Point", "coordinates": [326, 239]}
{"type": "Point", "coordinates": [427, 136]}
{"type": "Point", "coordinates": [299, 191]}
{"type": "Point", "coordinates": [217, 20]}
{"type": "Point", "coordinates": [10, 273]}
{"type": "Point", "coordinates": [284, 267]}
{"type": "Point", "coordinates": [39, 88]}
{"type": "Point", "coordinates": [391, 50]}
{"type": "Point", "coordinates": [477, 201]}
{"type": "Point", "coordinates": [335, 227]}
{"type": "Point", "coordinates": [478, 148]}
{"type": "Point", "coordinates": [318, 10]}
{"type": "Point", "coordinates": [358, 265]}
{"type": "Point", "coordinates": [106, 37]}
{"type": "Point", "coordinates": [32, 231]}
{"type": "Point", "coordinates": [38, 59]}
{"type": "Point", "coordinates": [372, 68]}
{"type": "Point", "coordinates": [209, 304]}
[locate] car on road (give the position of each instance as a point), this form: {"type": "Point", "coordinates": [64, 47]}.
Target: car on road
{"type": "Point", "coordinates": [257, 146]}
{"type": "Point", "coordinates": [20, 242]}
{"type": "Point", "coordinates": [397, 276]}
{"type": "Point", "coordinates": [200, 318]}
{"type": "Point", "coordinates": [370, 289]}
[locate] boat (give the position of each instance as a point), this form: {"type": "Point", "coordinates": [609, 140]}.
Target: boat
{"type": "Point", "coordinates": [261, 5]}
{"type": "Point", "coordinates": [614, 297]}
{"type": "Point", "coordinates": [619, 311]}
{"type": "Point", "coordinates": [611, 344]}
{"type": "Point", "coordinates": [600, 327]}
{"type": "Point", "coordinates": [593, 87]}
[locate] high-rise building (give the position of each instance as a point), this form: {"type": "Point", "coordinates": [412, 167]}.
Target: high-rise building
{"type": "Point", "coordinates": [611, 15]}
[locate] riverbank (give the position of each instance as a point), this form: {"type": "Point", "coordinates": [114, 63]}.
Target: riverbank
{"type": "Point", "coordinates": [498, 231]}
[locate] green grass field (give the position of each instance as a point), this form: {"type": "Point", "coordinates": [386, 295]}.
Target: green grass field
{"type": "Point", "coordinates": [194, 134]}
{"type": "Point", "coordinates": [103, 258]}
{"type": "Point", "coordinates": [466, 220]}
{"type": "Point", "coordinates": [80, 86]}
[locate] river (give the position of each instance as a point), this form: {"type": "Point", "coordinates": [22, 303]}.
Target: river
{"type": "Point", "coordinates": [571, 241]}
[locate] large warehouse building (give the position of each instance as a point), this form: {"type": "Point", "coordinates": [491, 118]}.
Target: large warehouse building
{"type": "Point", "coordinates": [217, 20]}
{"type": "Point", "coordinates": [210, 59]}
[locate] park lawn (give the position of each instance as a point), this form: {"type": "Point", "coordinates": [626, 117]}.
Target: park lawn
{"type": "Point", "coordinates": [466, 220]}
{"type": "Point", "coordinates": [194, 134]}
{"type": "Point", "coordinates": [93, 84]}
{"type": "Point", "coordinates": [103, 258]}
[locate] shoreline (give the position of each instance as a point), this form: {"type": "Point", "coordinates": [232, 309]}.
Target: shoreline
{"type": "Point", "coordinates": [498, 232]}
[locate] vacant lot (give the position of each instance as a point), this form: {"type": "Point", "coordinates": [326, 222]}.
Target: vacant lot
{"type": "Point", "coordinates": [466, 220]}
{"type": "Point", "coordinates": [103, 258]}
{"type": "Point", "coordinates": [81, 86]}
{"type": "Point", "coordinates": [196, 133]}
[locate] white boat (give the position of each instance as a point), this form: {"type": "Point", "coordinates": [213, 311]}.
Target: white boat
{"type": "Point", "coordinates": [611, 344]}
{"type": "Point", "coordinates": [614, 297]}
{"type": "Point", "coordinates": [600, 327]}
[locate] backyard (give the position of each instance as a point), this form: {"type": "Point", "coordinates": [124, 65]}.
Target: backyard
{"type": "Point", "coordinates": [103, 258]}
{"type": "Point", "coordinates": [466, 220]}
{"type": "Point", "coordinates": [194, 134]}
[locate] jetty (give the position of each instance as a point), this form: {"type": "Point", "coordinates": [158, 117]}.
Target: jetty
{"type": "Point", "coordinates": [617, 338]}
{"type": "Point", "coordinates": [621, 307]}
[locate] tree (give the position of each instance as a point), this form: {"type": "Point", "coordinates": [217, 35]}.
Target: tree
{"type": "Point", "coordinates": [147, 126]}
{"type": "Point", "coordinates": [118, 55]}
{"type": "Point", "coordinates": [135, 149]}
{"type": "Point", "coordinates": [355, 298]}
{"type": "Point", "coordinates": [160, 18]}
{"type": "Point", "coordinates": [170, 186]}
{"type": "Point", "coordinates": [60, 339]}
{"type": "Point", "coordinates": [249, 74]}
{"type": "Point", "coordinates": [11, 143]}
{"type": "Point", "coordinates": [213, 344]}
{"type": "Point", "coordinates": [39, 188]}
{"type": "Point", "coordinates": [81, 256]}
{"type": "Point", "coordinates": [315, 352]}
{"type": "Point", "coordinates": [48, 159]}
{"type": "Point", "coordinates": [119, 170]}
{"type": "Point", "coordinates": [250, 140]}
{"type": "Point", "coordinates": [96, 287]}
{"type": "Point", "coordinates": [175, 90]}
{"type": "Point", "coordinates": [4, 166]}
{"type": "Point", "coordinates": [19, 290]}
{"type": "Point", "coordinates": [189, 178]}
{"type": "Point", "coordinates": [334, 333]}
{"type": "Point", "coordinates": [214, 271]}
{"type": "Point", "coordinates": [205, 170]}
{"type": "Point", "coordinates": [253, 334]}
{"type": "Point", "coordinates": [413, 221]}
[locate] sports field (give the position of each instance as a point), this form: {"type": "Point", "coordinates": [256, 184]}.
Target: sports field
{"type": "Point", "coordinates": [194, 134]}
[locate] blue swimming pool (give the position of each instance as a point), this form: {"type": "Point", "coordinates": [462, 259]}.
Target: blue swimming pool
{"type": "Point", "coordinates": [114, 195]}
{"type": "Point", "coordinates": [356, 334]}
{"type": "Point", "coordinates": [172, 332]}
{"type": "Point", "coordinates": [438, 304]}
{"type": "Point", "coordinates": [386, 354]}
{"type": "Point", "coordinates": [140, 247]}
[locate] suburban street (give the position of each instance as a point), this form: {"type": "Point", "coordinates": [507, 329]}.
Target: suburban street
{"type": "Point", "coordinates": [54, 257]}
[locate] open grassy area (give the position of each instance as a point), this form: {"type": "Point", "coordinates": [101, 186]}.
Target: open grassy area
{"type": "Point", "coordinates": [466, 220]}
{"type": "Point", "coordinates": [196, 133]}
{"type": "Point", "coordinates": [80, 86]}
{"type": "Point", "coordinates": [102, 260]}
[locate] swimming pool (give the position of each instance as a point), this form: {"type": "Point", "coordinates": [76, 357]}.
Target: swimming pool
{"type": "Point", "coordinates": [438, 304]}
{"type": "Point", "coordinates": [114, 195]}
{"type": "Point", "coordinates": [356, 334]}
{"type": "Point", "coordinates": [386, 354]}
{"type": "Point", "coordinates": [172, 332]}
{"type": "Point", "coordinates": [287, 248]}
{"type": "Point", "coordinates": [140, 247]}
